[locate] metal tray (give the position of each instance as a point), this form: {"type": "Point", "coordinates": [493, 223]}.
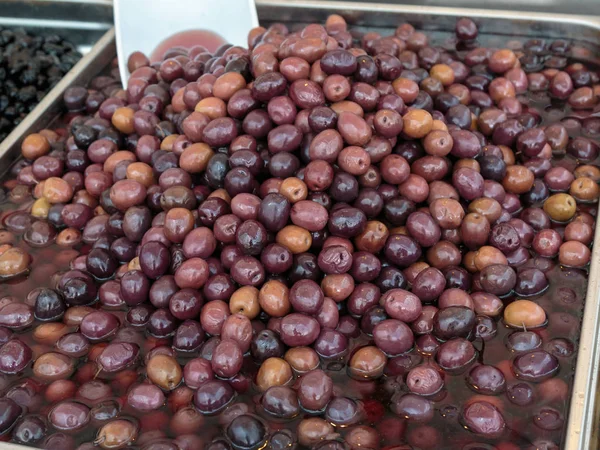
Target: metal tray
{"type": "Point", "coordinates": [82, 23]}
{"type": "Point", "coordinates": [495, 26]}
{"type": "Point", "coordinates": [554, 6]}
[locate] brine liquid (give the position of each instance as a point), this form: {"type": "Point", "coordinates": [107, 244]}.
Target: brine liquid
{"type": "Point", "coordinates": [187, 40]}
